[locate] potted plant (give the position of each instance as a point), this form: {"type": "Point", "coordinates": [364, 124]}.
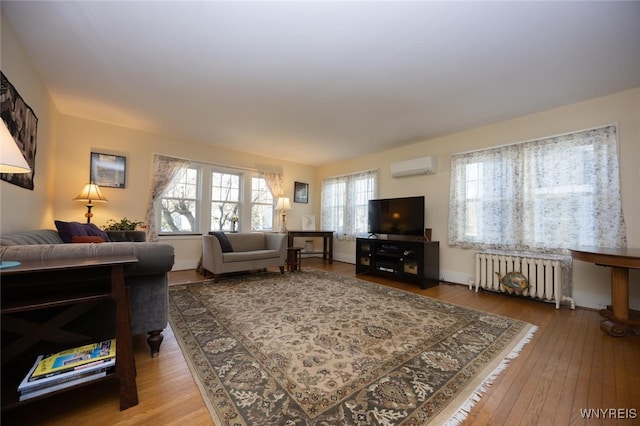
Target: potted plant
{"type": "Point", "coordinates": [125, 230]}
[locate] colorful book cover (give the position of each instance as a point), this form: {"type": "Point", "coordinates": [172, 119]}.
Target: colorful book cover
{"type": "Point", "coordinates": [30, 383]}
{"type": "Point", "coordinates": [76, 357]}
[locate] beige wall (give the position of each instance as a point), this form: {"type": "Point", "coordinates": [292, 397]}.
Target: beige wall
{"type": "Point", "coordinates": [20, 208]}
{"type": "Point", "coordinates": [79, 137]}
{"type": "Point", "coordinates": [591, 283]}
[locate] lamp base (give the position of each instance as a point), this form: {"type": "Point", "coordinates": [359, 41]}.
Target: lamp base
{"type": "Point", "coordinates": [9, 264]}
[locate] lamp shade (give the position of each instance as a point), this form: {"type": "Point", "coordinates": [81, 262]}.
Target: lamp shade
{"type": "Point", "coordinates": [11, 159]}
{"type": "Point", "coordinates": [283, 204]}
{"type": "Point", "coordinates": [91, 192]}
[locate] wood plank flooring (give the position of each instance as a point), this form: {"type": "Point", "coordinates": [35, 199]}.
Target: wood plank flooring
{"type": "Point", "coordinates": [569, 366]}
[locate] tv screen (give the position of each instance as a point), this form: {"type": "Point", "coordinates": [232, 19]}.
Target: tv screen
{"type": "Point", "coordinates": [399, 216]}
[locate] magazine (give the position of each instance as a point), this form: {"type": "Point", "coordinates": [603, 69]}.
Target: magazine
{"type": "Point", "coordinates": [55, 387]}
{"type": "Point", "coordinates": [30, 384]}
{"type": "Point", "coordinates": [76, 357]}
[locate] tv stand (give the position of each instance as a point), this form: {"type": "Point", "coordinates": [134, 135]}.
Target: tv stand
{"type": "Point", "coordinates": [403, 260]}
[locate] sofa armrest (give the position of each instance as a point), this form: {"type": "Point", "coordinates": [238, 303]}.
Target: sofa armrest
{"type": "Point", "coordinates": [211, 254]}
{"type": "Point", "coordinates": [277, 242]}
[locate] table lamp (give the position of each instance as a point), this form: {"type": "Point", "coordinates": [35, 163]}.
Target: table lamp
{"type": "Point", "coordinates": [283, 205]}
{"type": "Point", "coordinates": [90, 193]}
{"type": "Point", "coordinates": [11, 161]}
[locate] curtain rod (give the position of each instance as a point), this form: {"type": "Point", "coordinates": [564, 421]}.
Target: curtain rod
{"type": "Point", "coordinates": [350, 174]}
{"type": "Point", "coordinates": [248, 169]}
{"type": "Point", "coordinates": [539, 139]}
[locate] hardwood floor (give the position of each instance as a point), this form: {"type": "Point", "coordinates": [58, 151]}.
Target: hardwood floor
{"type": "Point", "coordinates": [569, 366]}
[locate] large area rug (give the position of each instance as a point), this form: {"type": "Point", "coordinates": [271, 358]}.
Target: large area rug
{"type": "Point", "coordinates": [316, 348]}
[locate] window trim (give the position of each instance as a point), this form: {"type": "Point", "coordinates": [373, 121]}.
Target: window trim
{"type": "Point", "coordinates": [525, 224]}
{"type": "Point", "coordinates": [204, 202]}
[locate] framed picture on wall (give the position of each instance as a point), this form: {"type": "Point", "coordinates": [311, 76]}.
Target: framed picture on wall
{"type": "Point", "coordinates": [301, 192]}
{"type": "Point", "coordinates": [22, 125]}
{"type": "Point", "coordinates": [108, 170]}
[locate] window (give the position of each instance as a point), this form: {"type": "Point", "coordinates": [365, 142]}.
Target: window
{"type": "Point", "coordinates": [261, 205]}
{"type": "Point", "coordinates": [179, 203]}
{"type": "Point", "coordinates": [205, 198]}
{"type": "Point", "coordinates": [544, 195]}
{"type": "Point", "coordinates": [345, 203]}
{"type": "Point", "coordinates": [225, 201]}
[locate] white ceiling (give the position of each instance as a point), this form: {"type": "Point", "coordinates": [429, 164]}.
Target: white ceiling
{"type": "Point", "coordinates": [316, 82]}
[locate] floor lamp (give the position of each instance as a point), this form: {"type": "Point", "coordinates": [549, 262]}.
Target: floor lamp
{"type": "Point", "coordinates": [283, 205]}
{"type": "Point", "coordinates": [11, 161]}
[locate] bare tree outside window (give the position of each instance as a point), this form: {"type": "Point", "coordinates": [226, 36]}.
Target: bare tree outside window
{"type": "Point", "coordinates": [261, 205]}
{"type": "Point", "coordinates": [179, 204]}
{"type": "Point", "coordinates": [225, 201]}
{"type": "Point", "coordinates": [229, 201]}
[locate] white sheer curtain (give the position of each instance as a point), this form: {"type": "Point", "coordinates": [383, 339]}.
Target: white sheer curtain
{"type": "Point", "coordinates": [165, 169]}
{"type": "Point", "coordinates": [275, 182]}
{"type": "Point", "coordinates": [345, 202]}
{"type": "Point", "coordinates": [546, 195]}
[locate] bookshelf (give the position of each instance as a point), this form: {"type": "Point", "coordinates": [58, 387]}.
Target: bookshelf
{"type": "Point", "coordinates": [64, 283]}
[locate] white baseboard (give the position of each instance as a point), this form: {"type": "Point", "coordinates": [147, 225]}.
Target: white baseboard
{"type": "Point", "coordinates": [185, 264]}
{"type": "Point", "coordinates": [449, 276]}
{"type": "Point", "coordinates": [455, 277]}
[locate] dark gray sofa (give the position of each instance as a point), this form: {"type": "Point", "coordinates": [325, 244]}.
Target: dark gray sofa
{"type": "Point", "coordinates": [147, 280]}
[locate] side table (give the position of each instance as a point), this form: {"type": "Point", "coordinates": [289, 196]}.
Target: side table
{"type": "Point", "coordinates": [327, 238]}
{"type": "Point", "coordinates": [618, 317]}
{"type": "Point", "coordinates": [18, 296]}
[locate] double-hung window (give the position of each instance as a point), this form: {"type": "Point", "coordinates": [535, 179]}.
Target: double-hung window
{"type": "Point", "coordinates": [543, 195]}
{"type": "Point", "coordinates": [261, 205]}
{"type": "Point", "coordinates": [205, 198]}
{"type": "Point", "coordinates": [345, 201]}
{"type": "Point", "coordinates": [179, 212]}
{"type": "Point", "coordinates": [225, 201]}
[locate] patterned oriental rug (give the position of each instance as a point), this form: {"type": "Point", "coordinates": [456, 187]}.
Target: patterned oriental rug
{"type": "Point", "coordinates": [315, 348]}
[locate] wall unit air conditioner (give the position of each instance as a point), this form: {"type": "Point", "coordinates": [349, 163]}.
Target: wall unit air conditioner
{"type": "Point", "coordinates": [417, 166]}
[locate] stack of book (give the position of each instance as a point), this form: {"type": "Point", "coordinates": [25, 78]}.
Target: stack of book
{"type": "Point", "coordinates": [68, 368]}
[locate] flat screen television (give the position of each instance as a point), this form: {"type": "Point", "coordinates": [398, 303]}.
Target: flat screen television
{"type": "Point", "coordinates": [398, 216]}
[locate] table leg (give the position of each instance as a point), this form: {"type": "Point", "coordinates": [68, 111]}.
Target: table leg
{"type": "Point", "coordinates": [617, 317]}
{"type": "Point", "coordinates": [620, 292]}
{"type": "Point", "coordinates": [324, 248]}
{"type": "Point", "coordinates": [125, 362]}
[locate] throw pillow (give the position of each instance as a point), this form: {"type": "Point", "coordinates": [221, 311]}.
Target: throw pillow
{"type": "Point", "coordinates": [86, 239]}
{"type": "Point", "coordinates": [225, 244]}
{"type": "Point", "coordinates": [68, 230]}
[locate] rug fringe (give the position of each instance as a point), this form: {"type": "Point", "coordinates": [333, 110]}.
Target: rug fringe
{"type": "Point", "coordinates": [461, 415]}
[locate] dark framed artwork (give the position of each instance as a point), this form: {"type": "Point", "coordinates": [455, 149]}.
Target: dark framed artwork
{"type": "Point", "coordinates": [23, 126]}
{"type": "Point", "coordinates": [108, 170]}
{"type": "Point", "coordinates": [301, 192]}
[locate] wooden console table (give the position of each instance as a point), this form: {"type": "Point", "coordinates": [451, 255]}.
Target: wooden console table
{"type": "Point", "coordinates": [327, 246]}
{"type": "Point", "coordinates": [20, 295]}
{"type": "Point", "coordinates": [618, 316]}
